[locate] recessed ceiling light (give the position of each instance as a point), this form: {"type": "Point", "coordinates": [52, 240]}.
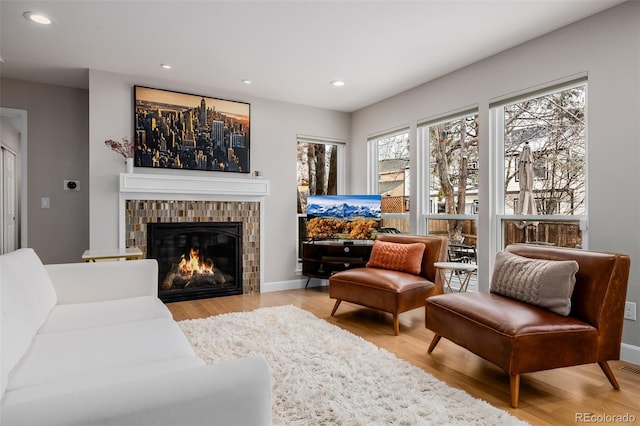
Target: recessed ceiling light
{"type": "Point", "coordinates": [247, 81]}
{"type": "Point", "coordinates": [38, 18]}
{"type": "Point", "coordinates": [166, 66]}
{"type": "Point", "coordinates": [337, 83]}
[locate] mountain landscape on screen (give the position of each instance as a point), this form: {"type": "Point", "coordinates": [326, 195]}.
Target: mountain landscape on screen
{"type": "Point", "coordinates": [347, 207]}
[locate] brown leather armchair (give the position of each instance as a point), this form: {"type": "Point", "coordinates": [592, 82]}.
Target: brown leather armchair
{"type": "Point", "coordinates": [389, 290]}
{"type": "Point", "coordinates": [522, 338]}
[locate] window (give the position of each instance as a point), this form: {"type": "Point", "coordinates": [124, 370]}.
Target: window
{"type": "Point", "coordinates": [319, 171]}
{"type": "Point", "coordinates": [546, 133]}
{"type": "Point", "coordinates": [452, 174]}
{"type": "Point", "coordinates": [391, 178]}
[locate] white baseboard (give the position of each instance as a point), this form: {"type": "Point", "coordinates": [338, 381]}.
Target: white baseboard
{"type": "Point", "coordinates": [291, 285]}
{"type": "Point", "coordinates": [630, 353]}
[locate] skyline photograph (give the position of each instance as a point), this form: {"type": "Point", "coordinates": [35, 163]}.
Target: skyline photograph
{"type": "Point", "coordinates": [184, 131]}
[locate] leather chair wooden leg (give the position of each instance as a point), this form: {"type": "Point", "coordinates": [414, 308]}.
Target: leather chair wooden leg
{"type": "Point", "coordinates": [396, 324]}
{"type": "Point", "coordinates": [514, 382]}
{"type": "Point", "coordinates": [335, 307]}
{"type": "Point", "coordinates": [607, 372]}
{"type": "Point", "coordinates": [434, 342]}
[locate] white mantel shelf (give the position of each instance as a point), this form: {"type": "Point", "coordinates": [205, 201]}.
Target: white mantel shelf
{"type": "Point", "coordinates": [176, 187]}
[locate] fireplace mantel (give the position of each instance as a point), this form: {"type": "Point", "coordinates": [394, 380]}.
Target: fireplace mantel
{"type": "Point", "coordinates": [153, 186]}
{"type": "Point", "coordinates": [138, 186]}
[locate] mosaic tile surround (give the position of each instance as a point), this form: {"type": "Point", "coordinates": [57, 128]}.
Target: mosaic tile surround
{"type": "Point", "coordinates": [141, 212]}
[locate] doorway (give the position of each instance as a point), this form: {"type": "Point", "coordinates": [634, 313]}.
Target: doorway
{"type": "Point", "coordinates": [13, 182]}
{"type": "Point", "coordinates": [8, 201]}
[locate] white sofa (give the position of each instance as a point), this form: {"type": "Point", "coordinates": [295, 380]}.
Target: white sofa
{"type": "Point", "coordinates": [91, 344]}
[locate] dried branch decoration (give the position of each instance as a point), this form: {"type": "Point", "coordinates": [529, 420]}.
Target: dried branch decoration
{"type": "Point", "coordinates": [124, 148]}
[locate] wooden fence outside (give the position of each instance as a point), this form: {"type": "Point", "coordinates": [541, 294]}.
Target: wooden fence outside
{"type": "Point", "coordinates": [560, 234]}
{"type": "Point", "coordinates": [469, 229]}
{"type": "Point", "coordinates": [394, 204]}
{"type": "Point", "coordinates": [399, 223]}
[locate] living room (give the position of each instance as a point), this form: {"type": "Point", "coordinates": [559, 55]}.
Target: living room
{"type": "Point", "coordinates": [67, 127]}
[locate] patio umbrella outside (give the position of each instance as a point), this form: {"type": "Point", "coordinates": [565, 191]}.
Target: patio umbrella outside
{"type": "Point", "coordinates": [526, 199]}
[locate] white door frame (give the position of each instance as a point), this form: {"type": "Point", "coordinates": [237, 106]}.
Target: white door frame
{"type": "Point", "coordinates": [8, 208]}
{"type": "Point", "coordinates": [20, 116]}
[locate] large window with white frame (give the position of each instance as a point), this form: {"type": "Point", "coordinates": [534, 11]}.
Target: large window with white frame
{"type": "Point", "coordinates": [543, 148]}
{"type": "Point", "coordinates": [390, 167]}
{"type": "Point", "coordinates": [451, 180]}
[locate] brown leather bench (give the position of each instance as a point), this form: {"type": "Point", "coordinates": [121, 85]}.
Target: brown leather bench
{"type": "Point", "coordinates": [391, 290]}
{"type": "Point", "coordinates": [521, 338]}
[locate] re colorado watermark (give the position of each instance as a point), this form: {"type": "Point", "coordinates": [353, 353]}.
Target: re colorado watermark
{"type": "Point", "coordinates": [605, 418]}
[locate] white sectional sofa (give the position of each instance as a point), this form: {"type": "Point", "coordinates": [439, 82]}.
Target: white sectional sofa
{"type": "Point", "coordinates": [91, 344]}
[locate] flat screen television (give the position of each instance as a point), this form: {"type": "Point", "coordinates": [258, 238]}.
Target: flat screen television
{"type": "Point", "coordinates": [343, 216]}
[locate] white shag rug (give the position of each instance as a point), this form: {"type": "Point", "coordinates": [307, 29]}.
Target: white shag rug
{"type": "Point", "coordinates": [323, 375]}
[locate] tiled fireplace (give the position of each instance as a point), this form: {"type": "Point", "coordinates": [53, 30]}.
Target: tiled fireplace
{"type": "Point", "coordinates": [193, 201]}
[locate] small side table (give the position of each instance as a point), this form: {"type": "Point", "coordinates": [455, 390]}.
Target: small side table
{"type": "Point", "coordinates": [130, 253]}
{"type": "Point", "coordinates": [456, 268]}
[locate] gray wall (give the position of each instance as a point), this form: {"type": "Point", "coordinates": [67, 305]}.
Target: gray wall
{"type": "Point", "coordinates": [607, 48]}
{"type": "Point", "coordinates": [58, 130]}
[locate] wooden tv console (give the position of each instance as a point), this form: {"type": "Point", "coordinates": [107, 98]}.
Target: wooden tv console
{"type": "Point", "coordinates": [323, 258]}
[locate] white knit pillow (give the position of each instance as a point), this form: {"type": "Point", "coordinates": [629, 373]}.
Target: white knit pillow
{"type": "Point", "coordinates": [545, 283]}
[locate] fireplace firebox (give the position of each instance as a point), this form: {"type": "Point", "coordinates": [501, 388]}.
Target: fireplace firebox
{"type": "Point", "coordinates": [196, 260]}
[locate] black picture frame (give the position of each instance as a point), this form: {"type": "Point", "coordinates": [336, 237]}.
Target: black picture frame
{"type": "Point", "coordinates": [175, 130]}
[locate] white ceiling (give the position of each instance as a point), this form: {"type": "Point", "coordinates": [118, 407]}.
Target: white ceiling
{"type": "Point", "coordinates": [291, 50]}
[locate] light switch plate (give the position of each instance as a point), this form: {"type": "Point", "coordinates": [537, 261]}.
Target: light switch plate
{"type": "Point", "coordinates": [630, 311]}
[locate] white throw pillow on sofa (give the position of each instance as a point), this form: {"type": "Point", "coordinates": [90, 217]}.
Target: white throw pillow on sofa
{"type": "Point", "coordinates": [28, 297]}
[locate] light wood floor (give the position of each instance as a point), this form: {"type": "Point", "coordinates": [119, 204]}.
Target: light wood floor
{"type": "Point", "coordinates": [553, 397]}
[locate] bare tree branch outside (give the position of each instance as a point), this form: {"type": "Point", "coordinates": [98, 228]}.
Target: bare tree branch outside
{"type": "Point", "coordinates": [454, 170]}
{"type": "Point", "coordinates": [317, 170]}
{"type": "Point", "coordinates": [554, 127]}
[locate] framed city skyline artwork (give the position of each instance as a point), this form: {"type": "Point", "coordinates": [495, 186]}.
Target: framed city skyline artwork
{"type": "Point", "coordinates": [176, 130]}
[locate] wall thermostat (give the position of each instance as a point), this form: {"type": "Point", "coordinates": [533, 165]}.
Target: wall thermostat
{"type": "Point", "coordinates": [72, 185]}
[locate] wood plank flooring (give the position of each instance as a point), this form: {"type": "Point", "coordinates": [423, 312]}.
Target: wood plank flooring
{"type": "Point", "coordinates": [554, 397]}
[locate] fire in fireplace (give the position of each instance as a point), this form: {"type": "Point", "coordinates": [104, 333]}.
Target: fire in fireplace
{"type": "Point", "coordinates": [196, 260]}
